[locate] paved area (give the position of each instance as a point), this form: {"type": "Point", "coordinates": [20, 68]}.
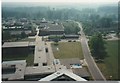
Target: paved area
{"type": "Point", "coordinates": [40, 54]}
{"type": "Point", "coordinates": [94, 70]}
{"type": "Point", "coordinates": [81, 72]}
{"type": "Point", "coordinates": [68, 62]}
{"type": "Point", "coordinates": [78, 71]}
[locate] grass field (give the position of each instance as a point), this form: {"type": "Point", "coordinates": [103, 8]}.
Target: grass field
{"type": "Point", "coordinates": [29, 58]}
{"type": "Point", "coordinates": [67, 50]}
{"type": "Point", "coordinates": [110, 66]}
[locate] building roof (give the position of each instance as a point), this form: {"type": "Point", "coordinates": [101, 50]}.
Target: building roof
{"type": "Point", "coordinates": [17, 44]}
{"type": "Point", "coordinates": [13, 62]}
{"type": "Point", "coordinates": [31, 43]}
{"type": "Point", "coordinates": [60, 73]}
{"type": "Point", "coordinates": [52, 27]}
{"type": "Point", "coordinates": [20, 66]}
{"type": "Point", "coordinates": [35, 70]}
{"type": "Point", "coordinates": [20, 31]}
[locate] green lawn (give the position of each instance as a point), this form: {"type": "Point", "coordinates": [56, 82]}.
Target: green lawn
{"type": "Point", "coordinates": [110, 65]}
{"type": "Point", "coordinates": [29, 58]}
{"type": "Point", "coordinates": [67, 50]}
{"type": "Point", "coordinates": [71, 27]}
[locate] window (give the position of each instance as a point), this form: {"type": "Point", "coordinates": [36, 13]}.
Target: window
{"type": "Point", "coordinates": [36, 64]}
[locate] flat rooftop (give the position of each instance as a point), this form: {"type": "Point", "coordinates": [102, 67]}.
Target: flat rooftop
{"type": "Point", "coordinates": [20, 66]}
{"type": "Point", "coordinates": [53, 27]}
{"type": "Point", "coordinates": [5, 63]}
{"type": "Point", "coordinates": [39, 70]}
{"type": "Point", "coordinates": [31, 43]}
{"type": "Point", "coordinates": [17, 44]}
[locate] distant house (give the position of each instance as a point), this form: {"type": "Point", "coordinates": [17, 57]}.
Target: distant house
{"type": "Point", "coordinates": [51, 29]}
{"type": "Point", "coordinates": [17, 28]}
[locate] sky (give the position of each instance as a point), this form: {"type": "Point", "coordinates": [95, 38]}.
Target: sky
{"type": "Point", "coordinates": [68, 1]}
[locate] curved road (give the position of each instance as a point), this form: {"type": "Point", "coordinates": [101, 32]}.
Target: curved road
{"type": "Point", "coordinates": [94, 70]}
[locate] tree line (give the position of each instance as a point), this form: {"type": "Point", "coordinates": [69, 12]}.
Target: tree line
{"type": "Point", "coordinates": [54, 13]}
{"type": "Point", "coordinates": [6, 36]}
{"type": "Point", "coordinates": [97, 47]}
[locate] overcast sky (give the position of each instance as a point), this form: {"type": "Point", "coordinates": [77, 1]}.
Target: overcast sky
{"type": "Point", "coordinates": [71, 1]}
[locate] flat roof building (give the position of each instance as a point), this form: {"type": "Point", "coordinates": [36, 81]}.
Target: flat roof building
{"type": "Point", "coordinates": [17, 44]}
{"type": "Point", "coordinates": [18, 66]}
{"type": "Point", "coordinates": [51, 29]}
{"type": "Point", "coordinates": [17, 49]}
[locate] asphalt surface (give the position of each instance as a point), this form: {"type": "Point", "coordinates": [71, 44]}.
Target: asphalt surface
{"type": "Point", "coordinates": [94, 70]}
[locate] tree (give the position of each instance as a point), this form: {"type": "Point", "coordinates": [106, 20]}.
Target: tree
{"type": "Point", "coordinates": [17, 36]}
{"type": "Point", "coordinates": [97, 46]}
{"type": "Point", "coordinates": [6, 35]}
{"type": "Point", "coordinates": [77, 29]}
{"type": "Point", "coordinates": [118, 34]}
{"type": "Point", "coordinates": [105, 22]}
{"type": "Point", "coordinates": [56, 40]}
{"type": "Point", "coordinates": [23, 35]}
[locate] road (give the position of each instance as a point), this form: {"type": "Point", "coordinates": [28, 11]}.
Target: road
{"type": "Point", "coordinates": [94, 70]}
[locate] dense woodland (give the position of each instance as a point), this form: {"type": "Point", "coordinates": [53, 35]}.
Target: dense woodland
{"type": "Point", "coordinates": [102, 19]}
{"type": "Point", "coordinates": [71, 28]}
{"type": "Point", "coordinates": [60, 14]}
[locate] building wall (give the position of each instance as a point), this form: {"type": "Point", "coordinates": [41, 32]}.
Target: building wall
{"type": "Point", "coordinates": [43, 33]}
{"type": "Point", "coordinates": [56, 32]}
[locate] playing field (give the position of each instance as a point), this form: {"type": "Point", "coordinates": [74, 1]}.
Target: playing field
{"type": "Point", "coordinates": [67, 50]}
{"type": "Point", "coordinates": [110, 66]}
